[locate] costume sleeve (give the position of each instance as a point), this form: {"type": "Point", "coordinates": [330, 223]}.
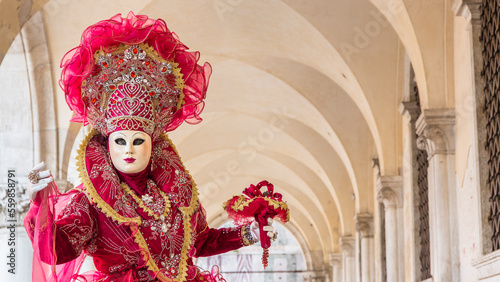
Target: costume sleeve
{"type": "Point", "coordinates": [66, 231]}
{"type": "Point", "coordinates": [212, 241]}
{"type": "Point", "coordinates": [74, 228]}
{"type": "Point", "coordinates": [50, 223]}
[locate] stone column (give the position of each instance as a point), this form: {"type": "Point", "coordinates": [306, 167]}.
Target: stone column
{"type": "Point", "coordinates": [364, 227]}
{"type": "Point", "coordinates": [436, 130]}
{"type": "Point", "coordinates": [336, 263]}
{"type": "Point", "coordinates": [348, 247]}
{"type": "Point", "coordinates": [389, 193]}
{"type": "Point", "coordinates": [471, 11]}
{"type": "Point", "coordinates": [410, 111]}
{"type": "Point", "coordinates": [45, 138]}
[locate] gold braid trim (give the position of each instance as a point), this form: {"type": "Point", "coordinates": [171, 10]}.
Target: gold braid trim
{"type": "Point", "coordinates": [247, 236]}
{"type": "Point", "coordinates": [193, 205]}
{"type": "Point", "coordinates": [89, 187]}
{"type": "Point", "coordinates": [242, 202]}
{"type": "Point", "coordinates": [138, 238]}
{"type": "Point", "coordinates": [187, 214]}
{"type": "Point", "coordinates": [141, 204]}
{"type": "Point", "coordinates": [110, 212]}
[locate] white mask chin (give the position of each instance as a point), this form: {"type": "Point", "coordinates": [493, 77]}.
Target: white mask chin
{"type": "Point", "coordinates": [130, 150]}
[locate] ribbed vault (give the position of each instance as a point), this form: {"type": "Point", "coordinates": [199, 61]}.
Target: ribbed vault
{"type": "Point", "coordinates": [304, 94]}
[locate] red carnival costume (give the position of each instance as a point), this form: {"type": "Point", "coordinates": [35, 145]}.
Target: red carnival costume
{"type": "Point", "coordinates": [129, 74]}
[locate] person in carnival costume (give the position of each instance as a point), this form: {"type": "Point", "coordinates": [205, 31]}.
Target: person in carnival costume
{"type": "Point", "coordinates": [137, 211]}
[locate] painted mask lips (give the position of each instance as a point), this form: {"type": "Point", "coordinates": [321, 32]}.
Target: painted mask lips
{"type": "Point", "coordinates": [129, 160]}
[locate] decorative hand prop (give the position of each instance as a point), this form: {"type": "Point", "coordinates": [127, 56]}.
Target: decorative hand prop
{"type": "Point", "coordinates": [268, 229]}
{"type": "Point", "coordinates": [38, 180]}
{"type": "Point", "coordinates": [254, 204]}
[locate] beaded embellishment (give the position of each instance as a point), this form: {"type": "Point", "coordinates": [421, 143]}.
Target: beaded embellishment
{"type": "Point", "coordinates": [132, 88]}
{"type": "Point", "coordinates": [246, 234]}
{"type": "Point", "coordinates": [156, 203]}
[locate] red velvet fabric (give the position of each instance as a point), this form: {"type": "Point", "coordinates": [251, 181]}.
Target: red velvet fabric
{"type": "Point", "coordinates": [136, 181]}
{"type": "Point", "coordinates": [84, 227]}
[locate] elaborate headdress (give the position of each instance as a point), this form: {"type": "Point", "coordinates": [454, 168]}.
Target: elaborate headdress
{"type": "Point", "coordinates": [133, 74]}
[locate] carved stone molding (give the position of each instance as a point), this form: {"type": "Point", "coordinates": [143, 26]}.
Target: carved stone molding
{"type": "Point", "coordinates": [436, 131]}
{"type": "Point", "coordinates": [389, 190]}
{"type": "Point", "coordinates": [348, 245]}
{"type": "Point", "coordinates": [364, 224]}
{"type": "Point", "coordinates": [409, 108]}
{"type": "Point", "coordinates": [22, 202]}
{"type": "Point", "coordinates": [335, 259]}
{"type": "Point", "coordinates": [469, 9]}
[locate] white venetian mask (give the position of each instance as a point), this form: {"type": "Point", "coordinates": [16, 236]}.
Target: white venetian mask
{"type": "Point", "coordinates": [130, 150]}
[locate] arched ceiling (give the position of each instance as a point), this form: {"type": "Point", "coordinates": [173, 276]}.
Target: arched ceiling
{"type": "Point", "coordinates": [304, 94]}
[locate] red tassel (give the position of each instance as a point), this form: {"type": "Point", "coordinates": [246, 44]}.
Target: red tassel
{"type": "Point", "coordinates": [265, 256]}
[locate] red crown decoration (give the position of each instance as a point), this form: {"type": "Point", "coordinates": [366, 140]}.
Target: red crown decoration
{"type": "Point", "coordinates": [132, 88]}
{"type": "Point", "coordinates": [133, 73]}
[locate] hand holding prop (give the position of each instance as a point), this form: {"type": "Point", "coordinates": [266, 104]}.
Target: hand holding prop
{"type": "Point", "coordinates": [259, 206]}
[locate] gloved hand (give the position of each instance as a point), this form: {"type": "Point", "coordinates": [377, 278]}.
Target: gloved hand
{"type": "Point", "coordinates": [254, 229]}
{"type": "Point", "coordinates": [38, 180]}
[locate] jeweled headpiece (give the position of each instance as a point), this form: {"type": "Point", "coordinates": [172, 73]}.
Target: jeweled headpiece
{"type": "Point", "coordinates": [133, 74]}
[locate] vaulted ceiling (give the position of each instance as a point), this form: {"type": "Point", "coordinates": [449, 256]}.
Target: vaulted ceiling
{"type": "Point", "coordinates": [304, 93]}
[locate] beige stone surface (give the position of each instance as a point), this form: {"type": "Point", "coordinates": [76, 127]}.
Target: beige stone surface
{"type": "Point", "coordinates": [305, 94]}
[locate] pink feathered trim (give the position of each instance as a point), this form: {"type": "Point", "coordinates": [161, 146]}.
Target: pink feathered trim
{"type": "Point", "coordinates": [78, 63]}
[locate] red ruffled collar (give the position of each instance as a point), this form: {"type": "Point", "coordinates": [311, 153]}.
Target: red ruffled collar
{"type": "Point", "coordinates": [102, 182]}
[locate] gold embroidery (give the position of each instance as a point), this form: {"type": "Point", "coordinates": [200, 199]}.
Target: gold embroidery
{"type": "Point", "coordinates": [246, 235]}
{"type": "Point", "coordinates": [89, 187]}
{"type": "Point", "coordinates": [187, 213]}
{"type": "Point", "coordinates": [138, 237]}
{"type": "Point", "coordinates": [242, 202]}
{"type": "Point", "coordinates": [144, 207]}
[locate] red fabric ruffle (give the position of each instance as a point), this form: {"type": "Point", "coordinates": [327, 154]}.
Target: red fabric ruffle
{"type": "Point", "coordinates": [78, 63]}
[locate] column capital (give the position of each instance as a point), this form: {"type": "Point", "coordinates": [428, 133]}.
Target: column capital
{"type": "Point", "coordinates": [335, 259]}
{"type": "Point", "coordinates": [22, 204]}
{"type": "Point", "coordinates": [348, 245]}
{"type": "Point", "coordinates": [469, 9]}
{"type": "Point", "coordinates": [364, 224]}
{"type": "Point", "coordinates": [436, 131]}
{"type": "Point", "coordinates": [410, 109]}
{"type": "Point", "coordinates": [389, 190]}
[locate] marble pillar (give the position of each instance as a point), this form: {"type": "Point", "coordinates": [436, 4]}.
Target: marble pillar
{"type": "Point", "coordinates": [336, 264]}
{"type": "Point", "coordinates": [348, 248]}
{"type": "Point", "coordinates": [410, 111]}
{"type": "Point", "coordinates": [389, 193]}
{"type": "Point", "coordinates": [364, 227]}
{"type": "Point", "coordinates": [471, 11]}
{"type": "Point", "coordinates": [436, 130]}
